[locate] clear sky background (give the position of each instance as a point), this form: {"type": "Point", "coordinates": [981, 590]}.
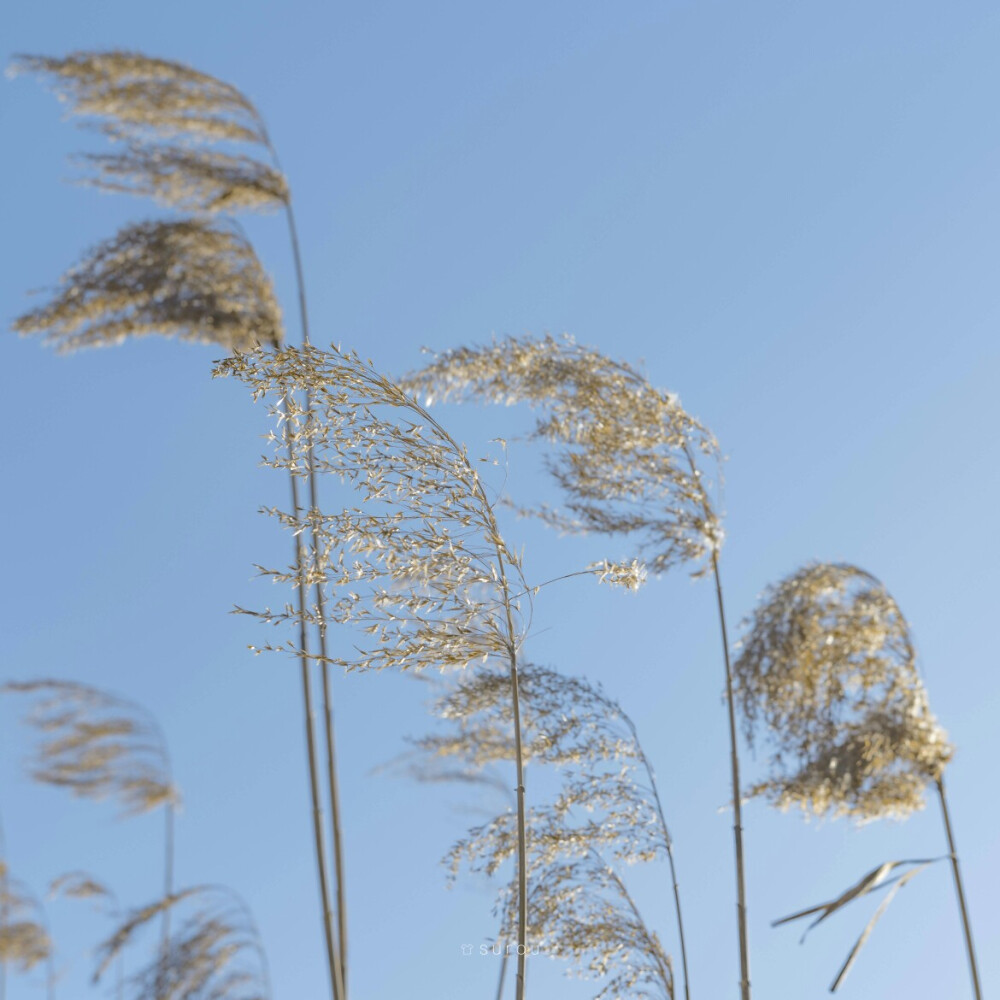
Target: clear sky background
{"type": "Point", "coordinates": [789, 211]}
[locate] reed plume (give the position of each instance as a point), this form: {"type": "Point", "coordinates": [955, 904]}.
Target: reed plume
{"type": "Point", "coordinates": [607, 803]}
{"type": "Point", "coordinates": [418, 566]}
{"type": "Point", "coordinates": [214, 954]}
{"type": "Point", "coordinates": [628, 459]}
{"type": "Point", "coordinates": [100, 746]}
{"type": "Point", "coordinates": [827, 677]}
{"type": "Point", "coordinates": [172, 120]}
{"type": "Point", "coordinates": [192, 279]}
{"type": "Point", "coordinates": [24, 936]}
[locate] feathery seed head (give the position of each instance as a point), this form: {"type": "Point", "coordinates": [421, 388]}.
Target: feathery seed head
{"type": "Point", "coordinates": [190, 278]}
{"type": "Point", "coordinates": [827, 673]}
{"type": "Point", "coordinates": [625, 454]}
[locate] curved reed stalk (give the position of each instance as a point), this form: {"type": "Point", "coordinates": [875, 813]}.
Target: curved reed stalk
{"type": "Point", "coordinates": [170, 117]}
{"type": "Point", "coordinates": [429, 579]}
{"type": "Point", "coordinates": [828, 678]}
{"type": "Point", "coordinates": [626, 457]}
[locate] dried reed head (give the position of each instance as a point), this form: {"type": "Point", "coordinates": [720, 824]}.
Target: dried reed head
{"type": "Point", "coordinates": [97, 745]}
{"type": "Point", "coordinates": [192, 279]}
{"type": "Point", "coordinates": [418, 564]}
{"type": "Point", "coordinates": [127, 94]}
{"type": "Point", "coordinates": [193, 180]}
{"type": "Point", "coordinates": [169, 115]}
{"type": "Point", "coordinates": [827, 675]}
{"type": "Point", "coordinates": [214, 954]}
{"type": "Point", "coordinates": [24, 940]}
{"type": "Point", "coordinates": [625, 454]}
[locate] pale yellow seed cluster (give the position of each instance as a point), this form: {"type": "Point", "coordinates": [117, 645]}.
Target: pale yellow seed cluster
{"type": "Point", "coordinates": [625, 454]}
{"type": "Point", "coordinates": [628, 575]}
{"type": "Point", "coordinates": [827, 676]}
{"type": "Point", "coordinates": [186, 277]}
{"type": "Point", "coordinates": [97, 746]}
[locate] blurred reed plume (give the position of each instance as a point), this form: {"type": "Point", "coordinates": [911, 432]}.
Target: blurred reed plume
{"type": "Point", "coordinates": [196, 144]}
{"type": "Point", "coordinates": [418, 565]}
{"type": "Point", "coordinates": [607, 804]}
{"type": "Point", "coordinates": [628, 458]}
{"type": "Point", "coordinates": [827, 677]}
{"type": "Point", "coordinates": [97, 745]}
{"type": "Point", "coordinates": [214, 954]}
{"type": "Point", "coordinates": [24, 935]}
{"type": "Point", "coordinates": [193, 279]}
{"type": "Point", "coordinates": [100, 746]}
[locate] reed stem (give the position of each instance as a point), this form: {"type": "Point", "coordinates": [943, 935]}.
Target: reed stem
{"type": "Point", "coordinates": [960, 892]}
{"type": "Point", "coordinates": [333, 959]}
{"type": "Point", "coordinates": [741, 903]}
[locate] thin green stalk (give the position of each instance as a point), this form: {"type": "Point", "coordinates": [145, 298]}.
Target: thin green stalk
{"type": "Point", "coordinates": [960, 892]}
{"type": "Point", "coordinates": [741, 902]}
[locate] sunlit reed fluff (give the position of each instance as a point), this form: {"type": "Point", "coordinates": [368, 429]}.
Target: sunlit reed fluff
{"type": "Point", "coordinates": [606, 805]}
{"type": "Point", "coordinates": [214, 953]}
{"type": "Point", "coordinates": [192, 279]}
{"type": "Point", "coordinates": [828, 679]}
{"type": "Point", "coordinates": [418, 566]}
{"type": "Point", "coordinates": [625, 454]}
{"type": "Point", "coordinates": [630, 461]}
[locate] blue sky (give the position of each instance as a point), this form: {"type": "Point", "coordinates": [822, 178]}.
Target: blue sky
{"type": "Point", "coordinates": [788, 211]}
